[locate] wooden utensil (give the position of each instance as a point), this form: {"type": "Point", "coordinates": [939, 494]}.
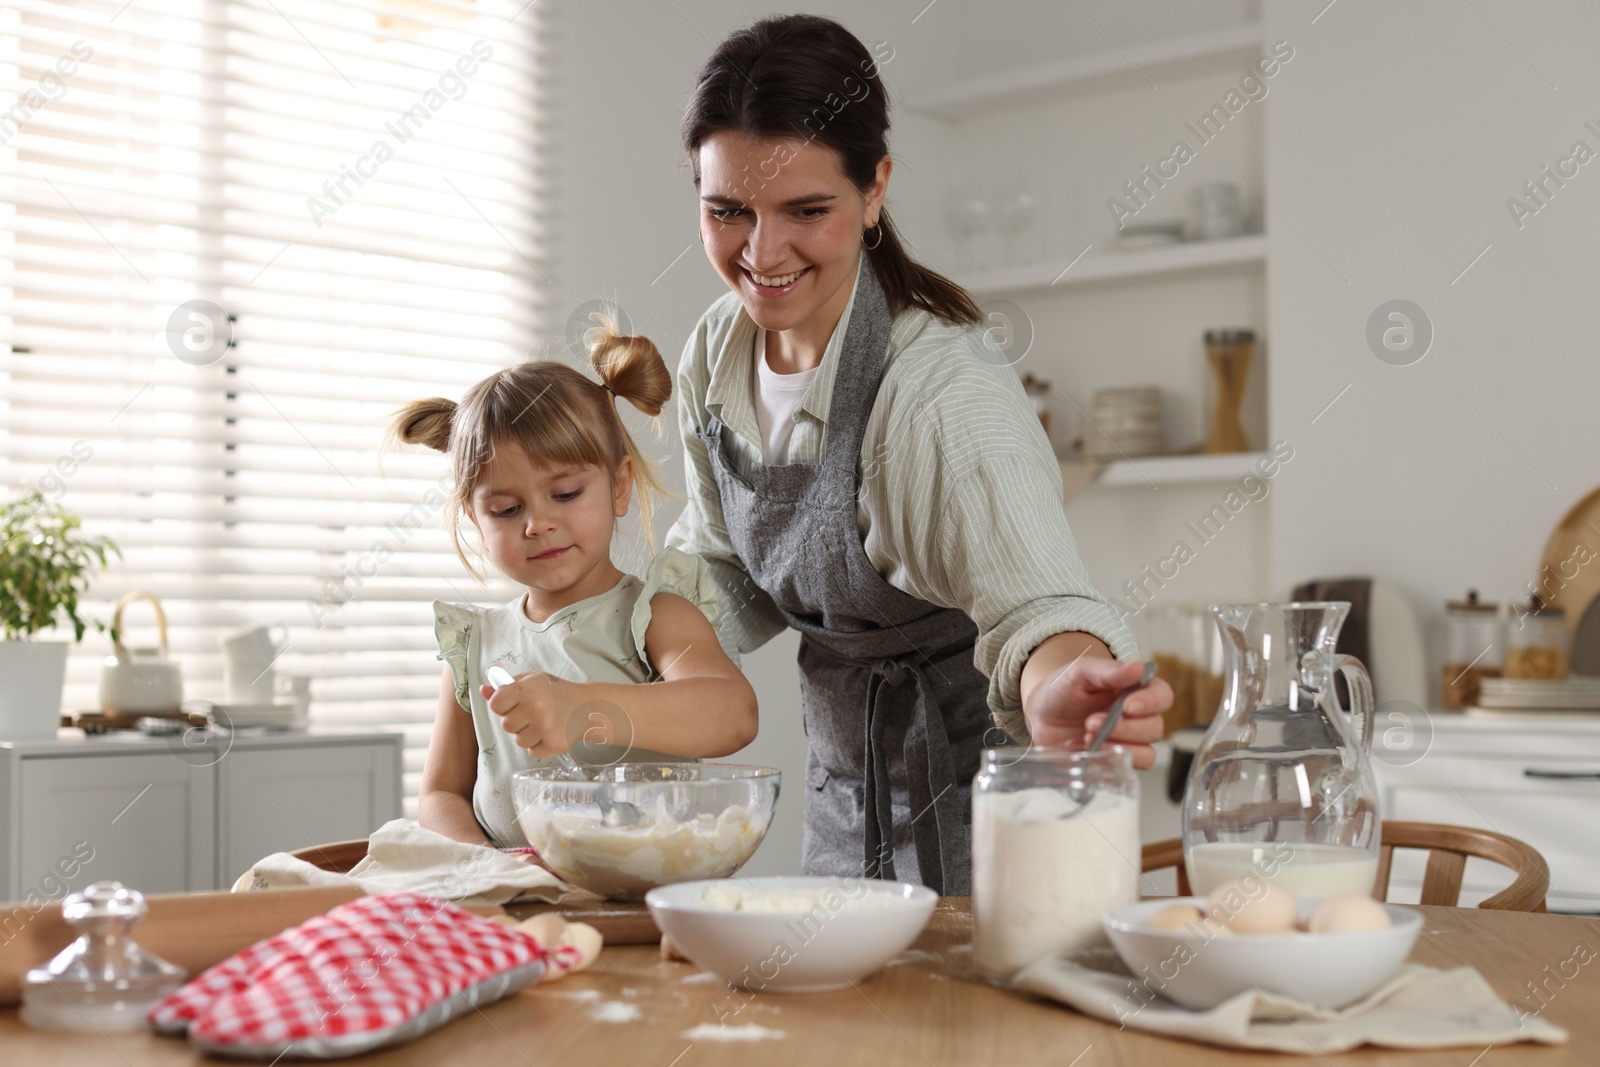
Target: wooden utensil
{"type": "Point", "coordinates": [1569, 570]}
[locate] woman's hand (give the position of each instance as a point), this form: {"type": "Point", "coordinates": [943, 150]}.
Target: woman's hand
{"type": "Point", "coordinates": [537, 709]}
{"type": "Point", "coordinates": [1068, 706]}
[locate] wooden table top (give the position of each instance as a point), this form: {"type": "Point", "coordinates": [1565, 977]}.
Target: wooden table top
{"type": "Point", "coordinates": [930, 1008]}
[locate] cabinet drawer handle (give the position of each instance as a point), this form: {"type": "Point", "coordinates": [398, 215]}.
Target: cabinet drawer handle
{"type": "Point", "coordinates": [1533, 772]}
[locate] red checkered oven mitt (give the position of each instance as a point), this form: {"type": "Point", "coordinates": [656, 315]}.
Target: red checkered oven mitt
{"type": "Point", "coordinates": [376, 971]}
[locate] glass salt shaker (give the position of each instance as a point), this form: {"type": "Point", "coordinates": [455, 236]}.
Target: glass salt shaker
{"type": "Point", "coordinates": [1472, 650]}
{"type": "Point", "coordinates": [1536, 641]}
{"type": "Point", "coordinates": [103, 981]}
{"type": "Point", "coordinates": [1055, 844]}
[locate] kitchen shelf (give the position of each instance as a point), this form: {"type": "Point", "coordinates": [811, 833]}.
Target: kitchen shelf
{"type": "Point", "coordinates": [1114, 266]}
{"type": "Point", "coordinates": [1163, 470]}
{"type": "Point", "coordinates": [1097, 72]}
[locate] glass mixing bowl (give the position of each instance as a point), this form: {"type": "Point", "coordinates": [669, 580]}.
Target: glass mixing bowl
{"type": "Point", "coordinates": [620, 831]}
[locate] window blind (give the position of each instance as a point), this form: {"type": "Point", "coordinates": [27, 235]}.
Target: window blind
{"type": "Point", "coordinates": [237, 234]}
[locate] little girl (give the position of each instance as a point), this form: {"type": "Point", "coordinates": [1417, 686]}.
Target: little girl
{"type": "Point", "coordinates": [543, 468]}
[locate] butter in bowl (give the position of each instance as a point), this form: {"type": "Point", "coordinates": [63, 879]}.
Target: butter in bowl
{"type": "Point", "coordinates": [792, 934]}
{"type": "Point", "coordinates": [623, 830]}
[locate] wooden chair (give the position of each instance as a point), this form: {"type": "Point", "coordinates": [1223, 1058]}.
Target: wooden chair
{"type": "Point", "coordinates": [1448, 848]}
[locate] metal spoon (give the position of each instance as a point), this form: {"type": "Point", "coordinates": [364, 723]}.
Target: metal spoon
{"type": "Point", "coordinates": [1114, 716]}
{"type": "Point", "coordinates": [612, 813]}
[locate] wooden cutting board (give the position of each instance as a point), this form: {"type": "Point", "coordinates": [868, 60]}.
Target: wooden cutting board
{"type": "Point", "coordinates": [1569, 570]}
{"type": "Point", "coordinates": [619, 922]}
{"type": "Point", "coordinates": [197, 930]}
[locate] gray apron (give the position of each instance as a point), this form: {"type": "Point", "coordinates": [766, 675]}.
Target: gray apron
{"type": "Point", "coordinates": [895, 712]}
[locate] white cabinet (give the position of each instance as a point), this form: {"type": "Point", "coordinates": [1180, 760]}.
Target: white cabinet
{"type": "Point", "coordinates": [276, 801]}
{"type": "Point", "coordinates": [1532, 778]}
{"type": "Point", "coordinates": [143, 819]}
{"type": "Point", "coordinates": [164, 818]}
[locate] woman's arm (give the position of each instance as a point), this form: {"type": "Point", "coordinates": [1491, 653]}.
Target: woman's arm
{"type": "Point", "coordinates": [963, 498]}
{"type": "Point", "coordinates": [701, 707]}
{"type": "Point", "coordinates": [444, 803]}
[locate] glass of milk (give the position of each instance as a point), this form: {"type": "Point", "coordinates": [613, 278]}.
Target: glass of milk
{"type": "Point", "coordinates": [1055, 843]}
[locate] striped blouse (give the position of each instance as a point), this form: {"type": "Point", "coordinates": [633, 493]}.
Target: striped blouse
{"type": "Point", "coordinates": [960, 501]}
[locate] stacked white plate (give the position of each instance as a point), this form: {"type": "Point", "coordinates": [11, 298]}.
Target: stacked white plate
{"type": "Point", "coordinates": [1578, 693]}
{"type": "Point", "coordinates": [1125, 423]}
{"type": "Point", "coordinates": [285, 716]}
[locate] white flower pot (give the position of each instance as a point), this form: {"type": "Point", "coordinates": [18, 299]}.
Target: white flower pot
{"type": "Point", "coordinates": [31, 676]}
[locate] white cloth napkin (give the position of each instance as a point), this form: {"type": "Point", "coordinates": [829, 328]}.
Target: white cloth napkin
{"type": "Point", "coordinates": [403, 857]}
{"type": "Point", "coordinates": [1420, 1007]}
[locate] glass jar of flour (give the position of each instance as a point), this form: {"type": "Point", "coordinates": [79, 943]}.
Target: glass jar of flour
{"type": "Point", "coordinates": [1055, 843]}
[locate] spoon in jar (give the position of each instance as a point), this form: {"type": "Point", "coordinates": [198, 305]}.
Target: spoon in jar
{"type": "Point", "coordinates": [1114, 716]}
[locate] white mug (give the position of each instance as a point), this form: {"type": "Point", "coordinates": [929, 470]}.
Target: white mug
{"type": "Point", "coordinates": [296, 689]}
{"type": "Point", "coordinates": [250, 686]}
{"type": "Point", "coordinates": [252, 648]}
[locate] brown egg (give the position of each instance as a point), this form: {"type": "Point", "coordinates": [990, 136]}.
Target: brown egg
{"type": "Point", "coordinates": [1174, 916]}
{"type": "Point", "coordinates": [1253, 907]}
{"type": "Point", "coordinates": [1347, 913]}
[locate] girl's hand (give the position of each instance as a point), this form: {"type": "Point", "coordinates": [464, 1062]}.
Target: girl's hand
{"type": "Point", "coordinates": [1068, 708]}
{"type": "Point", "coordinates": [536, 709]}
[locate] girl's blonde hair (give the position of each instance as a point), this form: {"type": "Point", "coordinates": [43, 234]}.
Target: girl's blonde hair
{"type": "Point", "coordinates": [554, 412]}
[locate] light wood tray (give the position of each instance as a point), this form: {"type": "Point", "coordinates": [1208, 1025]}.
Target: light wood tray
{"type": "Point", "coordinates": [197, 930]}
{"type": "Point", "coordinates": [1556, 582]}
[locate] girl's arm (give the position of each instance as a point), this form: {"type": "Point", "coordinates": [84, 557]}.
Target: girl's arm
{"type": "Point", "coordinates": [701, 707]}
{"type": "Point", "coordinates": [444, 803]}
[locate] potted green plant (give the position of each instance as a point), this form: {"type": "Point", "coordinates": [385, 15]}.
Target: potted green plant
{"type": "Point", "coordinates": [45, 563]}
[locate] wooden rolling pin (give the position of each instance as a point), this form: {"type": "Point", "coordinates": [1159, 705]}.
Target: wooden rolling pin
{"type": "Point", "coordinates": [197, 930]}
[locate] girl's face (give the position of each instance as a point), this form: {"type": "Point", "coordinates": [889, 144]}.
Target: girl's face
{"type": "Point", "coordinates": [783, 225]}
{"type": "Point", "coordinates": [549, 526]}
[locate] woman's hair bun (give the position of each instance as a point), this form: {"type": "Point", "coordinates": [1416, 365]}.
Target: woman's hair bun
{"type": "Point", "coordinates": [425, 422]}
{"type": "Point", "coordinates": [631, 367]}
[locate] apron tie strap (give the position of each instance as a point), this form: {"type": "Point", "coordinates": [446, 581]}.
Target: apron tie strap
{"type": "Point", "coordinates": [938, 827]}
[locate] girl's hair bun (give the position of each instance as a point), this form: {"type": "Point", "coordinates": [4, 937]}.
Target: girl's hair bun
{"type": "Point", "coordinates": [631, 367]}
{"type": "Point", "coordinates": [425, 422]}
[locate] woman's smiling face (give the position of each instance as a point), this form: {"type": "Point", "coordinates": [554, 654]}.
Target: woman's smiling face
{"type": "Point", "coordinates": [781, 210]}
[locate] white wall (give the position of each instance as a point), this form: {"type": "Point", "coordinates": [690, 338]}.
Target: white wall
{"type": "Point", "coordinates": [1393, 148]}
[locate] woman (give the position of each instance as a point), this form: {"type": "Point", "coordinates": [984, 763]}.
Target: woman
{"type": "Point", "coordinates": [864, 467]}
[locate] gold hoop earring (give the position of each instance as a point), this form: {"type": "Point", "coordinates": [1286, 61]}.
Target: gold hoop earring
{"type": "Point", "coordinates": [874, 244]}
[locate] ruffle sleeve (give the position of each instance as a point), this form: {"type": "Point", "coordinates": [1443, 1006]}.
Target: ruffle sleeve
{"type": "Point", "coordinates": [453, 625]}
{"type": "Point", "coordinates": [685, 574]}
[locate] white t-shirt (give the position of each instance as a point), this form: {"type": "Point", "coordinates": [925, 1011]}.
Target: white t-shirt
{"type": "Point", "coordinates": [777, 398]}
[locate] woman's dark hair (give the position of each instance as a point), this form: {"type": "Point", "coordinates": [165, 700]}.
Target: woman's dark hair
{"type": "Point", "coordinates": [808, 77]}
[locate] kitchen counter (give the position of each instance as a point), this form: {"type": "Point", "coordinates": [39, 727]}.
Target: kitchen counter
{"type": "Point", "coordinates": [930, 1008]}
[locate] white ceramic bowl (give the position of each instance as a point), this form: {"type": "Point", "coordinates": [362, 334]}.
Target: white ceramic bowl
{"type": "Point", "coordinates": [1328, 970]}
{"type": "Point", "coordinates": [853, 927]}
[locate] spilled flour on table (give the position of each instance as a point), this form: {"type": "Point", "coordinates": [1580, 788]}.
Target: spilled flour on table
{"type": "Point", "coordinates": [576, 994]}
{"type": "Point", "coordinates": [718, 1032]}
{"type": "Point", "coordinates": [614, 1011]}
{"type": "Point", "coordinates": [700, 979]}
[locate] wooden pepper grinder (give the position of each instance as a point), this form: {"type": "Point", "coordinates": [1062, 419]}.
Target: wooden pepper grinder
{"type": "Point", "coordinates": [1230, 353]}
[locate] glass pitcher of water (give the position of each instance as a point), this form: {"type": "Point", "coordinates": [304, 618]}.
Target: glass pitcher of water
{"type": "Point", "coordinates": [1282, 785]}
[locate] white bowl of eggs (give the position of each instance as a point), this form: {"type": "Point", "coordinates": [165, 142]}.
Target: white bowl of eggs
{"type": "Point", "coordinates": [1248, 934]}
